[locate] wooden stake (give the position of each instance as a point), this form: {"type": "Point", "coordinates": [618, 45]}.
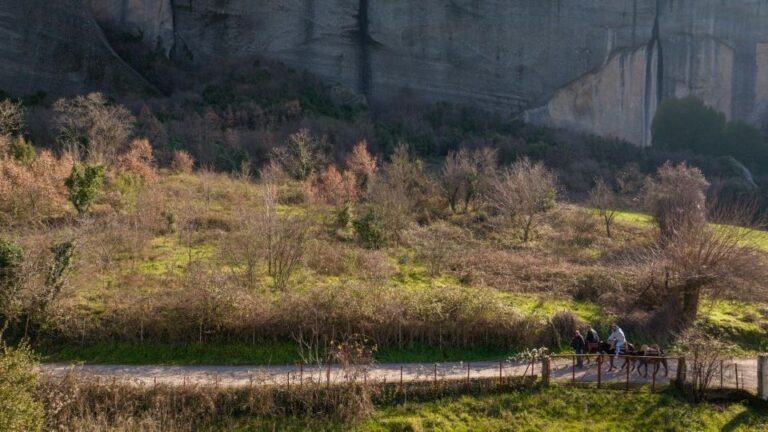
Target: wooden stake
{"type": "Point", "coordinates": [599, 371]}
{"type": "Point", "coordinates": [627, 364]}
{"type": "Point", "coordinates": [573, 370]}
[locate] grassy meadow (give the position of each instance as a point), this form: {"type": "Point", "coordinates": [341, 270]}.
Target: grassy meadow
{"type": "Point", "coordinates": [131, 281]}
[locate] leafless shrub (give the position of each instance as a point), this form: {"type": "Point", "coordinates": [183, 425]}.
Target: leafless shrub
{"type": "Point", "coordinates": [603, 199]}
{"type": "Point", "coordinates": [583, 225]}
{"type": "Point", "coordinates": [374, 267]}
{"type": "Point", "coordinates": [326, 258]}
{"type": "Point", "coordinates": [523, 192]}
{"type": "Point", "coordinates": [435, 244]}
{"type": "Point", "coordinates": [703, 355]}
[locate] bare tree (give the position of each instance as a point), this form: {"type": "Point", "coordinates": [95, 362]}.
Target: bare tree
{"type": "Point", "coordinates": [11, 118]}
{"type": "Point", "coordinates": [302, 154]}
{"type": "Point", "coordinates": [287, 249]}
{"type": "Point", "coordinates": [453, 177]}
{"type": "Point", "coordinates": [244, 248]}
{"type": "Point", "coordinates": [400, 191]}
{"type": "Point", "coordinates": [92, 129]}
{"type": "Point", "coordinates": [467, 176]}
{"type": "Point", "coordinates": [713, 257]}
{"type": "Point", "coordinates": [603, 199]}
{"type": "Point", "coordinates": [523, 192]}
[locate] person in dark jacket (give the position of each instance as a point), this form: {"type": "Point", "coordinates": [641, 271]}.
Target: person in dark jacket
{"type": "Point", "coordinates": [578, 345]}
{"type": "Point", "coordinates": [592, 336]}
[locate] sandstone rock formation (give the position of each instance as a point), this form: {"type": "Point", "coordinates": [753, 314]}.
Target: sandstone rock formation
{"type": "Point", "coordinates": [600, 66]}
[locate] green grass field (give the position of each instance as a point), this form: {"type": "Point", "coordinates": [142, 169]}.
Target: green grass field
{"type": "Point", "coordinates": [557, 409]}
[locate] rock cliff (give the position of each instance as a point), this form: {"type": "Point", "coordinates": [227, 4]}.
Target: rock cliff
{"type": "Point", "coordinates": [58, 47]}
{"type": "Point", "coordinates": [599, 66]}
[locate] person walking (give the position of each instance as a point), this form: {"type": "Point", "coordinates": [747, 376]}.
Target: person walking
{"type": "Point", "coordinates": [593, 341]}
{"type": "Point", "coordinates": [617, 338]}
{"type": "Point", "coordinates": [578, 344]}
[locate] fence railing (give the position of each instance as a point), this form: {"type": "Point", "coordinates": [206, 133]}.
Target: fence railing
{"type": "Point", "coordinates": [596, 370]}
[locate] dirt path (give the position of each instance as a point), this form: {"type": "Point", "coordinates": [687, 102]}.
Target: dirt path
{"type": "Point", "coordinates": [562, 371]}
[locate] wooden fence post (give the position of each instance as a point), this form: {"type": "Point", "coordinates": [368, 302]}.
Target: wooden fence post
{"type": "Point", "coordinates": [721, 375]}
{"type": "Point", "coordinates": [545, 371]}
{"type": "Point", "coordinates": [762, 376]}
{"type": "Point", "coordinates": [573, 369]}
{"type": "Point", "coordinates": [627, 362]}
{"type": "Point", "coordinates": [469, 384]}
{"type": "Point", "coordinates": [682, 373]}
{"type": "Point", "coordinates": [736, 368]}
{"type": "Point", "coordinates": [599, 371]}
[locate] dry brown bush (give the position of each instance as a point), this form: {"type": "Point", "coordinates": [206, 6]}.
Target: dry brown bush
{"type": "Point", "coordinates": [182, 163]}
{"type": "Point", "coordinates": [373, 266]}
{"type": "Point", "coordinates": [139, 160]}
{"type": "Point", "coordinates": [332, 187]}
{"type": "Point", "coordinates": [362, 166]}
{"type": "Point", "coordinates": [327, 258]}
{"type": "Point", "coordinates": [33, 192]}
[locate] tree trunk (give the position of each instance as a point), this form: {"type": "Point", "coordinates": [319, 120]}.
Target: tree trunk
{"type": "Point", "coordinates": [691, 296]}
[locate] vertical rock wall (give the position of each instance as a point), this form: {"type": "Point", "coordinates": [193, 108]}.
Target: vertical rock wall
{"type": "Point", "coordinates": [600, 66]}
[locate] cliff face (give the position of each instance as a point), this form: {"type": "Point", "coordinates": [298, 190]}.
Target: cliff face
{"type": "Point", "coordinates": [57, 47]}
{"type": "Point", "coordinates": [600, 66]}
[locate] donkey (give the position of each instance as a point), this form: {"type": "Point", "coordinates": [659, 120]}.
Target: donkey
{"type": "Point", "coordinates": [651, 354]}
{"type": "Point", "coordinates": [626, 350]}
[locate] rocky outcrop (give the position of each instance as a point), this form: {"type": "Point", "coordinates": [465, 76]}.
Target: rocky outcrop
{"type": "Point", "coordinates": [58, 47]}
{"type": "Point", "coordinates": [600, 66]}
{"type": "Point", "coordinates": [152, 21]}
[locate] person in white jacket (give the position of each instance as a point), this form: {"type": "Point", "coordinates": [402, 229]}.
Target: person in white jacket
{"type": "Point", "coordinates": [617, 338]}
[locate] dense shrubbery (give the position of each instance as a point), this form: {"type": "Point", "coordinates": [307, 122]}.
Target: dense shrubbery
{"type": "Point", "coordinates": [689, 125]}
{"type": "Point", "coordinates": [20, 411]}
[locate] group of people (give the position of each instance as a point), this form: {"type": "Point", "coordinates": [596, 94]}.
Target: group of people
{"type": "Point", "coordinates": [580, 344]}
